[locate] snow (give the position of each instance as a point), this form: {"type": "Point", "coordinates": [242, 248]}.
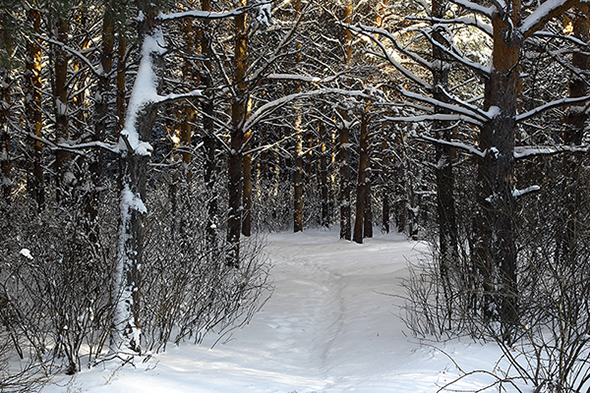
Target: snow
{"type": "Point", "coordinates": [25, 252]}
{"type": "Point", "coordinates": [537, 16]}
{"type": "Point", "coordinates": [144, 92]}
{"type": "Point", "coordinates": [332, 325]}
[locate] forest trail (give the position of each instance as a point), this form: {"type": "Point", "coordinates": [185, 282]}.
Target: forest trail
{"type": "Point", "coordinates": [332, 325]}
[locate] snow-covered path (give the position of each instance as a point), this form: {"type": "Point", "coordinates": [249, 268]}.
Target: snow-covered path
{"type": "Point", "coordinates": [332, 325]}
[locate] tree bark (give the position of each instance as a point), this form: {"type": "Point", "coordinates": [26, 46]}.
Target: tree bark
{"type": "Point", "coordinates": [298, 177]}
{"type": "Point", "coordinates": [5, 108]}
{"type": "Point", "coordinates": [126, 326]}
{"type": "Point", "coordinates": [34, 124]}
{"type": "Point", "coordinates": [574, 121]}
{"type": "Point", "coordinates": [445, 180]}
{"type": "Point", "coordinates": [385, 189]}
{"type": "Point", "coordinates": [121, 77]}
{"type": "Point", "coordinates": [247, 196]}
{"type": "Point", "coordinates": [209, 140]}
{"type": "Point", "coordinates": [238, 115]}
{"type": "Point", "coordinates": [61, 110]}
{"type": "Point", "coordinates": [324, 186]}
{"type": "Point", "coordinates": [344, 135]}
{"type": "Point", "coordinates": [361, 185]}
{"type": "Point", "coordinates": [494, 245]}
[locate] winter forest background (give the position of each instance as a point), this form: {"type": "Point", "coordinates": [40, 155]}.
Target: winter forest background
{"type": "Point", "coordinates": [144, 145]}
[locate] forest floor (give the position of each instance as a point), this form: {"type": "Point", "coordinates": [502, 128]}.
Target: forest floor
{"type": "Point", "coordinates": [332, 325]}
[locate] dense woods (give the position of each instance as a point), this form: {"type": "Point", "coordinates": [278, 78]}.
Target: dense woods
{"type": "Point", "coordinates": [145, 146]}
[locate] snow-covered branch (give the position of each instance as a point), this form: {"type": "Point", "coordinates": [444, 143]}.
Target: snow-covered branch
{"type": "Point", "coordinates": [539, 18]}
{"type": "Point", "coordinates": [204, 14]}
{"type": "Point", "coordinates": [175, 97]}
{"type": "Point", "coordinates": [477, 115]}
{"type": "Point", "coordinates": [76, 147]}
{"type": "Point", "coordinates": [370, 32]}
{"type": "Point", "coordinates": [481, 69]}
{"type": "Point", "coordinates": [274, 105]}
{"type": "Point", "coordinates": [463, 20]}
{"type": "Point", "coordinates": [486, 11]}
{"type": "Point", "coordinates": [528, 190]}
{"type": "Point", "coordinates": [302, 78]}
{"type": "Point", "coordinates": [551, 105]}
{"type": "Point", "coordinates": [434, 117]}
{"type": "Point", "coordinates": [458, 145]}
{"type": "Point", "coordinates": [531, 151]}
{"type": "Point", "coordinates": [72, 51]}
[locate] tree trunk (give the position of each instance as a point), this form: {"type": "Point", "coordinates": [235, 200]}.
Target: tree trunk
{"type": "Point", "coordinates": [324, 186]}
{"type": "Point", "coordinates": [121, 76]}
{"type": "Point", "coordinates": [126, 327]}
{"type": "Point", "coordinates": [361, 187]}
{"type": "Point", "coordinates": [368, 213]}
{"type": "Point", "coordinates": [209, 140]}
{"type": "Point", "coordinates": [238, 115]}
{"type": "Point", "coordinates": [344, 135]}
{"type": "Point", "coordinates": [344, 171]}
{"type": "Point", "coordinates": [386, 190]}
{"type": "Point", "coordinates": [574, 121]}
{"type": "Point", "coordinates": [247, 197]}
{"type": "Point", "coordinates": [445, 180]}
{"type": "Point", "coordinates": [494, 245]}
{"type": "Point", "coordinates": [34, 124]}
{"type": "Point", "coordinates": [5, 108]}
{"type": "Point", "coordinates": [298, 177]}
{"type": "Point", "coordinates": [61, 110]}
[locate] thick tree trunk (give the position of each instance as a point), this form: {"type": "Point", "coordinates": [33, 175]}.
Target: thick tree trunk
{"type": "Point", "coordinates": [385, 189]}
{"type": "Point", "coordinates": [209, 140]}
{"type": "Point", "coordinates": [34, 124]}
{"type": "Point", "coordinates": [344, 171]}
{"type": "Point", "coordinates": [344, 136]}
{"type": "Point", "coordinates": [361, 185]}
{"type": "Point", "coordinates": [126, 327]}
{"type": "Point", "coordinates": [5, 107]}
{"type": "Point", "coordinates": [445, 181]}
{"type": "Point", "coordinates": [238, 115]}
{"type": "Point", "coordinates": [121, 77]}
{"type": "Point", "coordinates": [494, 245]}
{"type": "Point", "coordinates": [247, 196]}
{"type": "Point", "coordinates": [574, 121]}
{"type": "Point", "coordinates": [368, 212]}
{"type": "Point", "coordinates": [298, 178]}
{"type": "Point", "coordinates": [324, 186]}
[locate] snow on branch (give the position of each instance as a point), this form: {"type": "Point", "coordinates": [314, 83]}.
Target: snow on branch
{"type": "Point", "coordinates": [302, 78]}
{"type": "Point", "coordinates": [370, 32]}
{"type": "Point", "coordinates": [486, 11]}
{"type": "Point", "coordinates": [546, 11]}
{"type": "Point", "coordinates": [528, 190]}
{"type": "Point", "coordinates": [468, 110]}
{"type": "Point", "coordinates": [531, 151]}
{"type": "Point", "coordinates": [486, 28]}
{"type": "Point", "coordinates": [486, 115]}
{"type": "Point", "coordinates": [570, 38]}
{"type": "Point", "coordinates": [434, 117]}
{"type": "Point", "coordinates": [72, 51]}
{"type": "Point", "coordinates": [175, 97]}
{"type": "Point", "coordinates": [482, 70]}
{"type": "Point", "coordinates": [551, 105]}
{"type": "Point", "coordinates": [262, 6]}
{"type": "Point", "coordinates": [272, 106]}
{"type": "Point", "coordinates": [75, 148]}
{"type": "Point", "coordinates": [458, 145]}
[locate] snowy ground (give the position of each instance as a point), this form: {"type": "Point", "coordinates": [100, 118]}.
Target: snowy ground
{"type": "Point", "coordinates": [331, 326]}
